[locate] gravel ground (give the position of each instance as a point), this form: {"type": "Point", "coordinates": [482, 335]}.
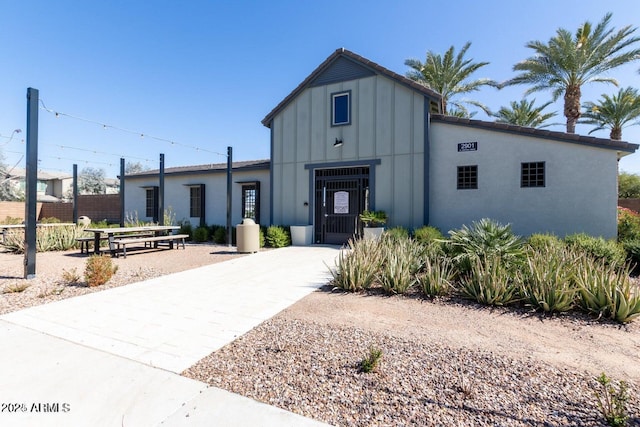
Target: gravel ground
{"type": "Point", "coordinates": [443, 363]}
{"type": "Point", "coordinates": [50, 284]}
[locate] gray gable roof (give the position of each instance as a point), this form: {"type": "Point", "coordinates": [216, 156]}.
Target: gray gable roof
{"type": "Point", "coordinates": [539, 133]}
{"type": "Point", "coordinates": [211, 168]}
{"type": "Point", "coordinates": [344, 65]}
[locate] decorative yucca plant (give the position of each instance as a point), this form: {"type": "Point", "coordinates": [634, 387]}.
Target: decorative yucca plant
{"type": "Point", "coordinates": [400, 261]}
{"type": "Point", "coordinates": [437, 276]}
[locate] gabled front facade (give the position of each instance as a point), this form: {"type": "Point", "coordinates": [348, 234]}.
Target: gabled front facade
{"type": "Point", "coordinates": [356, 136]}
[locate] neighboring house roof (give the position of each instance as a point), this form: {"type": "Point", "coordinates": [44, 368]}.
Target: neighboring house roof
{"type": "Point", "coordinates": [337, 59]}
{"type": "Point", "coordinates": [198, 169]}
{"type": "Point", "coordinates": [42, 175]}
{"type": "Point", "coordinates": [539, 133]}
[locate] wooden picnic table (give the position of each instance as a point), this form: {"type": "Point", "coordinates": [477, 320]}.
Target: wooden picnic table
{"type": "Point", "coordinates": [115, 232]}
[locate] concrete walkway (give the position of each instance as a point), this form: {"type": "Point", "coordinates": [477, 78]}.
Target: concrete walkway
{"type": "Point", "coordinates": [113, 358]}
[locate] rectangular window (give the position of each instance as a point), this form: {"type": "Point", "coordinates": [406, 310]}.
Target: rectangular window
{"type": "Point", "coordinates": [195, 197]}
{"type": "Point", "coordinates": [251, 201]}
{"type": "Point", "coordinates": [340, 108]}
{"type": "Point", "coordinates": [152, 203]}
{"type": "Point", "coordinates": [468, 177]}
{"type": "Point", "coordinates": [532, 175]}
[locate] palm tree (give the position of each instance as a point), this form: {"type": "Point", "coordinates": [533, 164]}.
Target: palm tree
{"type": "Point", "coordinates": [567, 62]}
{"type": "Point", "coordinates": [613, 112]}
{"type": "Point", "coordinates": [523, 113]}
{"type": "Point", "coordinates": [448, 76]}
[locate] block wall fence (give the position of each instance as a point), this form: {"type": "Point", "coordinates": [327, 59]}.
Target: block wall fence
{"type": "Point", "coordinates": [96, 206]}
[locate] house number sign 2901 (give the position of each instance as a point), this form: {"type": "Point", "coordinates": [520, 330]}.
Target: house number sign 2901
{"type": "Point", "coordinates": [468, 146]}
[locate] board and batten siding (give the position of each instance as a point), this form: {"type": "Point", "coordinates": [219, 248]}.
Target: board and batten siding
{"type": "Point", "coordinates": [580, 193]}
{"type": "Point", "coordinates": [387, 124]}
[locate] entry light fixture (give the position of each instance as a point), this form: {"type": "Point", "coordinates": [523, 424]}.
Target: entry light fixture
{"type": "Point", "coordinates": [338, 143]}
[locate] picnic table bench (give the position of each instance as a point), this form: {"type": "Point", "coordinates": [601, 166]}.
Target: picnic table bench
{"type": "Point", "coordinates": [84, 241]}
{"type": "Point", "coordinates": [170, 238]}
{"type": "Point", "coordinates": [123, 236]}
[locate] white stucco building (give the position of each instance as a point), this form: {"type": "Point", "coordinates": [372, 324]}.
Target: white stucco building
{"type": "Point", "coordinates": [354, 135]}
{"type": "Point", "coordinates": [198, 194]}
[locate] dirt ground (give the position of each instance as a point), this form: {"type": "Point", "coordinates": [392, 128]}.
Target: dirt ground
{"type": "Point", "coordinates": [573, 342]}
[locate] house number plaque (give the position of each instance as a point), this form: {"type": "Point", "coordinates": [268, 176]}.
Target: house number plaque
{"type": "Point", "coordinates": [468, 146]}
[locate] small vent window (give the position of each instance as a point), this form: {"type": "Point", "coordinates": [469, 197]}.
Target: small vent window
{"type": "Point", "coordinates": [532, 175]}
{"type": "Point", "coordinates": [468, 177]}
{"type": "Point", "coordinates": [341, 108]}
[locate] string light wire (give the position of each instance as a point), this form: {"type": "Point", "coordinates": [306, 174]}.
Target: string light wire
{"type": "Point", "coordinates": [133, 132]}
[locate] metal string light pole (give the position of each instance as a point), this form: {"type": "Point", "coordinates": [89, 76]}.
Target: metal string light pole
{"type": "Point", "coordinates": [229, 188]}
{"type": "Point", "coordinates": [31, 185]}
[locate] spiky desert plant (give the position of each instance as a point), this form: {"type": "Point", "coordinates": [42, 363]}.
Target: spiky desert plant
{"type": "Point", "coordinates": [357, 265]}
{"type": "Point", "coordinates": [485, 238]}
{"type": "Point", "coordinates": [436, 278]}
{"type": "Point", "coordinates": [399, 263]}
{"type": "Point", "coordinates": [488, 282]}
{"type": "Point", "coordinates": [546, 279]}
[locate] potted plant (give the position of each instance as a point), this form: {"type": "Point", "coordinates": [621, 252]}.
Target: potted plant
{"type": "Point", "coordinates": [374, 222]}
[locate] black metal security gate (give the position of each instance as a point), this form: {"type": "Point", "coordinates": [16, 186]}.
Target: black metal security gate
{"type": "Point", "coordinates": [341, 196]}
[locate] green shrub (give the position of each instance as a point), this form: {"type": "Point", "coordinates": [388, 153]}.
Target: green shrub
{"type": "Point", "coordinates": [544, 241]}
{"type": "Point", "coordinates": [437, 277]}
{"type": "Point", "coordinates": [218, 234]}
{"type": "Point", "coordinates": [357, 266]}
{"type": "Point", "coordinates": [611, 402]}
{"type": "Point", "coordinates": [397, 233]}
{"type": "Point", "coordinates": [99, 270]}
{"type": "Point", "coordinates": [546, 280]}
{"type": "Point", "coordinates": [99, 224]}
{"type": "Point", "coordinates": [277, 237]}
{"type": "Point", "coordinates": [597, 248]}
{"type": "Point", "coordinates": [201, 234]}
{"type": "Point", "coordinates": [628, 225]}
{"type": "Point", "coordinates": [10, 220]}
{"type": "Point", "coordinates": [485, 239]}
{"type": "Point", "coordinates": [489, 282]}
{"type": "Point", "coordinates": [371, 361]}
{"type": "Point", "coordinates": [50, 220]}
{"type": "Point", "coordinates": [186, 228]}
{"type": "Point", "coordinates": [632, 249]}
{"type": "Point", "coordinates": [427, 234]}
{"type": "Point", "coordinates": [261, 236]}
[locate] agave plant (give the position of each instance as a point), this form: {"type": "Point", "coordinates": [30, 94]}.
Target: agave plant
{"type": "Point", "coordinates": [357, 266]}
{"type": "Point", "coordinates": [546, 281]}
{"type": "Point", "coordinates": [400, 261]}
{"type": "Point", "coordinates": [489, 282]}
{"type": "Point", "coordinates": [606, 290]}
{"type": "Point", "coordinates": [437, 277]}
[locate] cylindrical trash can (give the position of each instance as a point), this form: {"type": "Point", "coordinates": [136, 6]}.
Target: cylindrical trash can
{"type": "Point", "coordinates": [248, 236]}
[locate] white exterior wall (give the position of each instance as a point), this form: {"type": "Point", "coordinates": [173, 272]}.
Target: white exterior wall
{"type": "Point", "coordinates": [177, 194]}
{"type": "Point", "coordinates": [387, 123]}
{"type": "Point", "coordinates": [580, 193]}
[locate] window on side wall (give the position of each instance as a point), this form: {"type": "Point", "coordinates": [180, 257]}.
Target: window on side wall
{"type": "Point", "coordinates": [532, 175]}
{"type": "Point", "coordinates": [468, 177]}
{"type": "Point", "coordinates": [251, 201]}
{"type": "Point", "coordinates": [152, 194]}
{"type": "Point", "coordinates": [341, 108]}
{"type": "Point", "coordinates": [195, 202]}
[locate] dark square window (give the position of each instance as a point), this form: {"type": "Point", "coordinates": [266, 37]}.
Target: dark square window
{"type": "Point", "coordinates": [468, 177]}
{"type": "Point", "coordinates": [340, 109]}
{"type": "Point", "coordinates": [532, 175]}
{"type": "Point", "coordinates": [195, 202]}
{"type": "Point", "coordinates": [152, 196]}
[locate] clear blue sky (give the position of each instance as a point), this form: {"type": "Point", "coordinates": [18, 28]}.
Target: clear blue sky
{"type": "Point", "coordinates": [205, 73]}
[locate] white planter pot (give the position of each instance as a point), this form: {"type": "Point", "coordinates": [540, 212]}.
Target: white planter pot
{"type": "Point", "coordinates": [301, 235]}
{"type": "Point", "coordinates": [373, 233]}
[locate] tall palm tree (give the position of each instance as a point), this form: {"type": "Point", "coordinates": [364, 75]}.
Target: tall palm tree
{"type": "Point", "coordinates": [448, 75]}
{"type": "Point", "coordinates": [523, 113]}
{"type": "Point", "coordinates": [613, 112]}
{"type": "Point", "coordinates": [567, 62]}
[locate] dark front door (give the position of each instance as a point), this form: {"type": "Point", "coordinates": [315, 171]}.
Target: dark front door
{"type": "Point", "coordinates": [341, 195]}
